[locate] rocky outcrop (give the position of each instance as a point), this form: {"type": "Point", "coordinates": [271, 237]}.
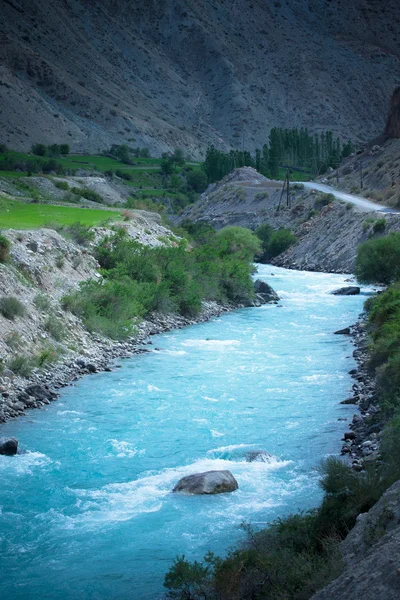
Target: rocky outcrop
{"type": "Point", "coordinates": [210, 482]}
{"type": "Point", "coordinates": [371, 553]}
{"type": "Point", "coordinates": [8, 446]}
{"type": "Point", "coordinates": [264, 292]}
{"type": "Point", "coordinates": [350, 290]}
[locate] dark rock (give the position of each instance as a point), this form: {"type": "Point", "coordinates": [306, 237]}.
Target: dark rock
{"type": "Point", "coordinates": [350, 400]}
{"type": "Point", "coordinates": [351, 290]}
{"type": "Point", "coordinates": [265, 292]}
{"type": "Point", "coordinates": [8, 446]}
{"type": "Point", "coordinates": [349, 435]}
{"type": "Point", "coordinates": [91, 368]}
{"type": "Point", "coordinates": [345, 331]}
{"type": "Point", "coordinates": [40, 392]}
{"type": "Point", "coordinates": [210, 482]}
{"type": "Point", "coordinates": [258, 456]}
{"type": "Point", "coordinates": [353, 372]}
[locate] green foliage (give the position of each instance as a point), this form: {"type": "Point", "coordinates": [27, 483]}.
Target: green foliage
{"type": "Point", "coordinates": [11, 307]}
{"type": "Point", "coordinates": [81, 234]}
{"type": "Point", "coordinates": [144, 204]}
{"type": "Point", "coordinates": [121, 152]}
{"type": "Point", "coordinates": [323, 199]}
{"type": "Point", "coordinates": [62, 185]}
{"type": "Point", "coordinates": [42, 302]}
{"type": "Point", "coordinates": [273, 242]}
{"type": "Point", "coordinates": [379, 226]}
{"type": "Point", "coordinates": [55, 328]}
{"type": "Point", "coordinates": [295, 149]}
{"type": "Point", "coordinates": [21, 365]}
{"type": "Point", "coordinates": [88, 194]}
{"type": "Point", "coordinates": [139, 279]}
{"type": "Point", "coordinates": [5, 246]}
{"type": "Point", "coordinates": [64, 149]}
{"type": "Point", "coordinates": [197, 181]}
{"type": "Point", "coordinates": [378, 260]}
{"type": "Point", "coordinates": [39, 149]}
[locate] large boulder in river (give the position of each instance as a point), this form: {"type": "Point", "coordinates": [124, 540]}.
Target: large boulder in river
{"type": "Point", "coordinates": [210, 482]}
{"type": "Point", "coordinates": [265, 292]}
{"type": "Point", "coordinates": [8, 446]}
{"type": "Point", "coordinates": [351, 290]}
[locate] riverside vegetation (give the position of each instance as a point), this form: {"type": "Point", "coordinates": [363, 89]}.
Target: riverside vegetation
{"type": "Point", "coordinates": [138, 280]}
{"type": "Point", "coordinates": [300, 554]}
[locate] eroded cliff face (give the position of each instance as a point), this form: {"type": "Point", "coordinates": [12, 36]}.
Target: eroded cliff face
{"type": "Point", "coordinates": [188, 73]}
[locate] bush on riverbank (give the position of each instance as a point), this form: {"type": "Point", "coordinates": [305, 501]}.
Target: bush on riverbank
{"type": "Point", "coordinates": [274, 242]}
{"type": "Point", "coordinates": [378, 260]}
{"type": "Point", "coordinates": [139, 279]}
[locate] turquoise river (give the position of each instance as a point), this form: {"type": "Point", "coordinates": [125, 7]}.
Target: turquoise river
{"type": "Point", "coordinates": [86, 511]}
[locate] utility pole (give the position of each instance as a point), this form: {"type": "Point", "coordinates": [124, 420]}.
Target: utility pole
{"type": "Point", "coordinates": [288, 188]}
{"type": "Point", "coordinates": [243, 145]}
{"type": "Point", "coordinates": [361, 176]}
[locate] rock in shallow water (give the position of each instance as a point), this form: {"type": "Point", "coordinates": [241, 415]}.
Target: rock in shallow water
{"type": "Point", "coordinates": [210, 482]}
{"type": "Point", "coordinates": [8, 446]}
{"type": "Point", "coordinates": [351, 290]}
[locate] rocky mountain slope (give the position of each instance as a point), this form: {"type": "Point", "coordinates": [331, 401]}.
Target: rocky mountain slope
{"type": "Point", "coordinates": [188, 73]}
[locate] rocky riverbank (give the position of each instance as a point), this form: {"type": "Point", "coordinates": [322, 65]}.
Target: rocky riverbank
{"type": "Point", "coordinates": [361, 442]}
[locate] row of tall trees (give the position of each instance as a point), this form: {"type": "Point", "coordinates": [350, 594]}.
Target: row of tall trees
{"type": "Point", "coordinates": [294, 148]}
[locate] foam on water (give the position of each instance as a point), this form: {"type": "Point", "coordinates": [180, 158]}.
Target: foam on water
{"type": "Point", "coordinates": [88, 511]}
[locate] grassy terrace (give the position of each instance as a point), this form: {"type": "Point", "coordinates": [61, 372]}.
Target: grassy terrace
{"type": "Point", "coordinates": [19, 215]}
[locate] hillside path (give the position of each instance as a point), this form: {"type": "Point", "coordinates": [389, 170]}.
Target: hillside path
{"type": "Point", "coordinates": [362, 203]}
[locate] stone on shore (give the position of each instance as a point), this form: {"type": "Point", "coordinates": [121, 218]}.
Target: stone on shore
{"type": "Point", "coordinates": [8, 446]}
{"type": "Point", "coordinates": [210, 482]}
{"type": "Point", "coordinates": [350, 290]}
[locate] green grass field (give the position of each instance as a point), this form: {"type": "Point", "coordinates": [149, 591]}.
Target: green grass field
{"type": "Point", "coordinates": [20, 215]}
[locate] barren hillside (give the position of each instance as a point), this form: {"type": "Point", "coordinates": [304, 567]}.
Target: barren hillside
{"type": "Point", "coordinates": [186, 73]}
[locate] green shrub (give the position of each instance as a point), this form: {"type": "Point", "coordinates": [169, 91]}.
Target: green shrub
{"type": "Point", "coordinates": [62, 185]}
{"type": "Point", "coordinates": [81, 234]}
{"type": "Point", "coordinates": [39, 149]}
{"type": "Point", "coordinates": [197, 181]}
{"type": "Point", "coordinates": [21, 365]}
{"type": "Point", "coordinates": [379, 226]}
{"type": "Point", "coordinates": [55, 328]}
{"type": "Point", "coordinates": [5, 246]}
{"type": "Point", "coordinates": [60, 261]}
{"type": "Point", "coordinates": [88, 194]}
{"type": "Point", "coordinates": [378, 260]}
{"type": "Point", "coordinates": [323, 199]}
{"type": "Point", "coordinates": [11, 307]}
{"type": "Point", "coordinates": [13, 340]}
{"type": "Point", "coordinates": [42, 302]}
{"type": "Point", "coordinates": [47, 356]}
{"type": "Point", "coordinates": [280, 241]}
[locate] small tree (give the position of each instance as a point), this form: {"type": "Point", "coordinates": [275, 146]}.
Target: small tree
{"type": "Point", "coordinates": [39, 149]}
{"type": "Point", "coordinates": [379, 260]}
{"type": "Point", "coordinates": [197, 180]}
{"type": "Point", "coordinates": [178, 157]}
{"type": "Point", "coordinates": [64, 149]}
